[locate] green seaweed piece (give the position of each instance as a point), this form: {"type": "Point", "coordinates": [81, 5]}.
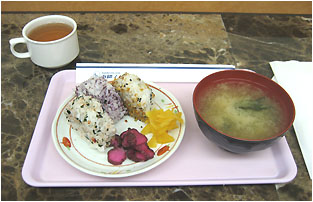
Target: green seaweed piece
{"type": "Point", "coordinates": [255, 105]}
{"type": "Point", "coordinates": [228, 124]}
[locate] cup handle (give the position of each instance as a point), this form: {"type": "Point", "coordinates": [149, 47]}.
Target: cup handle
{"type": "Point", "coordinates": [15, 41]}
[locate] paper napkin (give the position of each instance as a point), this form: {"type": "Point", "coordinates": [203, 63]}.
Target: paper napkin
{"type": "Point", "coordinates": [297, 79]}
{"type": "Point", "coordinates": [149, 72]}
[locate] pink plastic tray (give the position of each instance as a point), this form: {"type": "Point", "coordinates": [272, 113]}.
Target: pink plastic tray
{"type": "Point", "coordinates": [196, 162]}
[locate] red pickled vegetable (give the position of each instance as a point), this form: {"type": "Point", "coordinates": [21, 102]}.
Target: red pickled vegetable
{"type": "Point", "coordinates": [116, 141]}
{"type": "Point", "coordinates": [135, 155]}
{"type": "Point", "coordinates": [141, 147]}
{"type": "Point", "coordinates": [130, 144]}
{"type": "Point", "coordinates": [145, 150]}
{"type": "Point", "coordinates": [117, 156]}
{"type": "Point", "coordinates": [129, 140]}
{"type": "Point", "coordinates": [140, 156]}
{"type": "Point", "coordinates": [124, 133]}
{"type": "Point", "coordinates": [149, 153]}
{"type": "Point", "coordinates": [140, 138]}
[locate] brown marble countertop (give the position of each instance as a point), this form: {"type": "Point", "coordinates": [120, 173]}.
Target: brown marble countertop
{"type": "Point", "coordinates": [244, 40]}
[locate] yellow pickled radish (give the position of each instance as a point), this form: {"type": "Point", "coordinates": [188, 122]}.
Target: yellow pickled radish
{"type": "Point", "coordinates": [159, 123]}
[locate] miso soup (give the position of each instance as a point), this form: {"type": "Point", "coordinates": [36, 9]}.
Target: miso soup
{"type": "Point", "coordinates": [241, 110]}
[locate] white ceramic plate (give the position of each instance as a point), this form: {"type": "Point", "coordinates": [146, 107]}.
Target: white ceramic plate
{"type": "Point", "coordinates": [89, 160]}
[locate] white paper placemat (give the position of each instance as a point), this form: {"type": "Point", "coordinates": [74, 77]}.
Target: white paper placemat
{"type": "Point", "coordinates": [297, 79]}
{"type": "Point", "coordinates": [161, 72]}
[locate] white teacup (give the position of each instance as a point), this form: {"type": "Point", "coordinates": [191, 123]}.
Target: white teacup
{"type": "Point", "coordinates": [49, 54]}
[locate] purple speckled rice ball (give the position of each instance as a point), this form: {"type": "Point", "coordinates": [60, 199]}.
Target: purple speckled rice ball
{"type": "Point", "coordinates": [99, 88]}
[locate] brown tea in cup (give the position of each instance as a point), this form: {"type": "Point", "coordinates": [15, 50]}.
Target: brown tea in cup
{"type": "Point", "coordinates": [50, 32]}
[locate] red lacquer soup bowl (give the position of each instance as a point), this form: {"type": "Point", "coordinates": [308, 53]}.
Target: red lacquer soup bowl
{"type": "Point", "coordinates": [270, 89]}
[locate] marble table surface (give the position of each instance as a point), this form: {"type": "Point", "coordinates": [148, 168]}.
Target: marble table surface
{"type": "Point", "coordinates": [244, 40]}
